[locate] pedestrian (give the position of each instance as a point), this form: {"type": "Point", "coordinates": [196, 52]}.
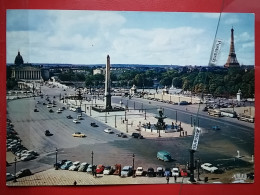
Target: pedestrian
{"type": "Point", "coordinates": [75, 183]}
{"type": "Point", "coordinates": [175, 178]}
{"type": "Point", "coordinates": [167, 179]}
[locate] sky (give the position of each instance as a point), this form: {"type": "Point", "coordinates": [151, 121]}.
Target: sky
{"type": "Point", "coordinates": [87, 37]}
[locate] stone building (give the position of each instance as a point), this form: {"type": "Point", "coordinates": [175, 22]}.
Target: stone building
{"type": "Point", "coordinates": [21, 71]}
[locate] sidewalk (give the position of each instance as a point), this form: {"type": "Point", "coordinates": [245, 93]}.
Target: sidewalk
{"type": "Point", "coordinates": [65, 177]}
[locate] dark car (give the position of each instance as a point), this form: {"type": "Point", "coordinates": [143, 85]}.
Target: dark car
{"type": "Point", "coordinates": [93, 124]}
{"type": "Point", "coordinates": [51, 111]}
{"type": "Point", "coordinates": [59, 163]}
{"type": "Point", "coordinates": [137, 135]}
{"type": "Point", "coordinates": [159, 172]}
{"type": "Point", "coordinates": [150, 172]}
{"type": "Point", "coordinates": [121, 135]}
{"type": "Point", "coordinates": [69, 117]}
{"type": "Point", "coordinates": [36, 110]}
{"type": "Point", "coordinates": [48, 133]}
{"type": "Point", "coordinates": [23, 173]}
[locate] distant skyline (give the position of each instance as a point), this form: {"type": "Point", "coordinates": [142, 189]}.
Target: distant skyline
{"type": "Point", "coordinates": [87, 37]}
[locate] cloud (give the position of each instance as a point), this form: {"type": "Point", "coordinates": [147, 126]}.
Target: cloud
{"type": "Point", "coordinates": [86, 37]}
{"type": "Point", "coordinates": [231, 20]}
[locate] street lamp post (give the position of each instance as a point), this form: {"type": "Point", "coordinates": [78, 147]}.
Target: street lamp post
{"type": "Point", "coordinates": [92, 153]}
{"type": "Point", "coordinates": [191, 120]}
{"type": "Point", "coordinates": [198, 168]}
{"type": "Point", "coordinates": [115, 122]}
{"type": "Point", "coordinates": [133, 165]}
{"type": "Point", "coordinates": [56, 154]}
{"type": "Point", "coordinates": [15, 160]}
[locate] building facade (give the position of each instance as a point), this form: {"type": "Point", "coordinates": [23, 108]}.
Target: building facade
{"type": "Point", "coordinates": [21, 71]}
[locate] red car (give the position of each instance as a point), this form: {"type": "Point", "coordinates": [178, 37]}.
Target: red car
{"type": "Point", "coordinates": [100, 169]}
{"type": "Point", "coordinates": [183, 172]}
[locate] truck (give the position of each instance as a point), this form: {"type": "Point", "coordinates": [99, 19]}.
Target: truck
{"type": "Point", "coordinates": [164, 156]}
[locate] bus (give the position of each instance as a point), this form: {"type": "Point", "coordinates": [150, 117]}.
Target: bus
{"type": "Point", "coordinates": [228, 113]}
{"type": "Point", "coordinates": [214, 112]}
{"type": "Point", "coordinates": [247, 118]}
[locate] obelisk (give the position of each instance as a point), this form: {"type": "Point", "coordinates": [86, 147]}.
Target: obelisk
{"type": "Point", "coordinates": [107, 86]}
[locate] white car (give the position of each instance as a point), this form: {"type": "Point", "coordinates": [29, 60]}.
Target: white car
{"type": "Point", "coordinates": [76, 121]}
{"type": "Point", "coordinates": [175, 172]}
{"type": "Point", "coordinates": [108, 130]}
{"type": "Point", "coordinates": [74, 166]}
{"type": "Point", "coordinates": [49, 106]}
{"type": "Point", "coordinates": [209, 167]}
{"type": "Point", "coordinates": [108, 170]}
{"type": "Point", "coordinates": [27, 157]}
{"type": "Point", "coordinates": [59, 111]}
{"type": "Point", "coordinates": [139, 171]}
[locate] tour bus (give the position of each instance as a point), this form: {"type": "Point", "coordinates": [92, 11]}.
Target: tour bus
{"type": "Point", "coordinates": [214, 112]}
{"type": "Point", "coordinates": [228, 113]}
{"type": "Point", "coordinates": [247, 118]}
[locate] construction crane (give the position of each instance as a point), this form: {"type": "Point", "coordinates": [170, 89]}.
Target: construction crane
{"type": "Point", "coordinates": [193, 149]}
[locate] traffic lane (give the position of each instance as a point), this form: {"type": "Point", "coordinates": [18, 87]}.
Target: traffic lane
{"type": "Point", "coordinates": [32, 127]}
{"type": "Point", "coordinates": [237, 132]}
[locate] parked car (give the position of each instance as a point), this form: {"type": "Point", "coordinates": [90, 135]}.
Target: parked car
{"type": "Point", "coordinates": [137, 135]}
{"type": "Point", "coordinates": [89, 169]}
{"type": "Point", "coordinates": [100, 168]}
{"type": "Point", "coordinates": [184, 172]}
{"type": "Point", "coordinates": [108, 170]}
{"type": "Point", "coordinates": [74, 166]}
{"type": "Point", "coordinates": [66, 165]}
{"type": "Point", "coordinates": [139, 171]}
{"type": "Point", "coordinates": [150, 172]}
{"type": "Point", "coordinates": [78, 134]}
{"type": "Point", "coordinates": [126, 171]}
{"type": "Point", "coordinates": [209, 167]}
{"type": "Point", "coordinates": [167, 172]}
{"type": "Point", "coordinates": [164, 156]}
{"type": "Point", "coordinates": [108, 130]}
{"type": "Point", "coordinates": [23, 173]}
{"type": "Point", "coordinates": [76, 121]}
{"type": "Point", "coordinates": [159, 172]}
{"type": "Point", "coordinates": [51, 111]}
{"type": "Point", "coordinates": [175, 171]}
{"type": "Point", "coordinates": [9, 177]}
{"type": "Point", "coordinates": [59, 163]}
{"type": "Point", "coordinates": [36, 110]}
{"type": "Point", "coordinates": [27, 157]}
{"type": "Point", "coordinates": [48, 133]}
{"type": "Point", "coordinates": [83, 167]}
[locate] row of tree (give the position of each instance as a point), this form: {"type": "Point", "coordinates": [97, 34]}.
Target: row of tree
{"type": "Point", "coordinates": [216, 81]}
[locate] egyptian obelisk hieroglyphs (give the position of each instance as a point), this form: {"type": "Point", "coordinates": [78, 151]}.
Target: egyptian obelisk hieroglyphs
{"type": "Point", "coordinates": [107, 86]}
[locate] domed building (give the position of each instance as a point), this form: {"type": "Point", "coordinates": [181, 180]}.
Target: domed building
{"type": "Point", "coordinates": [18, 59]}
{"type": "Point", "coordinates": [21, 71]}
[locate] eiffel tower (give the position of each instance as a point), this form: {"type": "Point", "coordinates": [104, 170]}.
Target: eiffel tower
{"type": "Point", "coordinates": [232, 59]}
